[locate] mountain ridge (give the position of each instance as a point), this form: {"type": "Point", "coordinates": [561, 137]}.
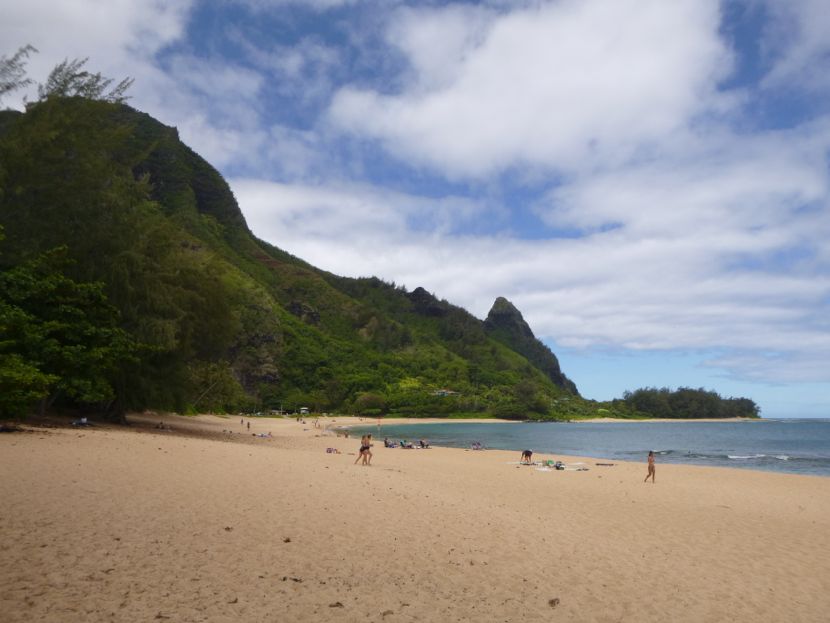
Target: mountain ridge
{"type": "Point", "coordinates": [280, 331]}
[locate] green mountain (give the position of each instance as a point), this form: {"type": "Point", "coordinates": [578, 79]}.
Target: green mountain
{"type": "Point", "coordinates": [217, 319]}
{"type": "Point", "coordinates": [130, 280]}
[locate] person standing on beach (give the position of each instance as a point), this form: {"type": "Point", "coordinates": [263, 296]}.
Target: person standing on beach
{"type": "Point", "coordinates": [365, 453]}
{"type": "Point", "coordinates": [527, 457]}
{"type": "Point", "coordinates": [650, 467]}
{"type": "Point", "coordinates": [362, 449]}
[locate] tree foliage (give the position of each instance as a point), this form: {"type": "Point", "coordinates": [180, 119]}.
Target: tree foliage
{"type": "Point", "coordinates": [13, 71]}
{"type": "Point", "coordinates": [70, 79]}
{"type": "Point", "coordinates": [61, 337]}
{"type": "Point", "coordinates": [688, 403]}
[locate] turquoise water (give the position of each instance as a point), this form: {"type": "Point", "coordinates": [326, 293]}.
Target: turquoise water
{"type": "Point", "coordinates": [799, 446]}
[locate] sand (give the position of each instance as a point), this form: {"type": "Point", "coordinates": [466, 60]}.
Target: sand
{"type": "Point", "coordinates": [195, 524]}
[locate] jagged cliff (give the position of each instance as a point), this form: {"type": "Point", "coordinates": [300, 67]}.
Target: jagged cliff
{"type": "Point", "coordinates": [506, 324]}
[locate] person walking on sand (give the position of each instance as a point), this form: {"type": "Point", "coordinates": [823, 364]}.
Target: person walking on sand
{"type": "Point", "coordinates": [364, 448]}
{"type": "Point", "coordinates": [367, 455]}
{"type": "Point", "coordinates": [650, 467]}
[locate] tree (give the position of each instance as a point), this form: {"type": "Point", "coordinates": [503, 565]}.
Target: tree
{"type": "Point", "coordinates": [13, 71]}
{"type": "Point", "coordinates": [61, 338]}
{"type": "Point", "coordinates": [688, 403]}
{"type": "Point", "coordinates": [370, 404]}
{"type": "Point", "coordinates": [70, 79]}
{"type": "Point", "coordinates": [650, 400]}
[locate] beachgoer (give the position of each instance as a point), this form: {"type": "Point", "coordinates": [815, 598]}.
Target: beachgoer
{"type": "Point", "coordinates": [249, 426]}
{"type": "Point", "coordinates": [650, 467]}
{"type": "Point", "coordinates": [364, 447]}
{"type": "Point", "coordinates": [367, 456]}
{"type": "Point", "coordinates": [242, 421]}
{"type": "Point", "coordinates": [527, 457]}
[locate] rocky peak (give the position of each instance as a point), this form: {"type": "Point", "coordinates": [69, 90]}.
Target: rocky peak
{"type": "Point", "coordinates": [506, 318]}
{"type": "Point", "coordinates": [506, 324]}
{"type": "Point", "coordinates": [426, 304]}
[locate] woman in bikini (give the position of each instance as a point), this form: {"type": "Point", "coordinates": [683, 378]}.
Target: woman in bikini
{"type": "Point", "coordinates": [650, 467]}
{"type": "Point", "coordinates": [365, 450]}
{"type": "Point", "coordinates": [364, 446]}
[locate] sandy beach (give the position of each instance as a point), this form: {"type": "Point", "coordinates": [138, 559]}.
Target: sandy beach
{"type": "Point", "coordinates": [200, 524]}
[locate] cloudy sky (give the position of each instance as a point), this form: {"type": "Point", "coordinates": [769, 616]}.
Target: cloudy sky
{"type": "Point", "coordinates": [647, 181]}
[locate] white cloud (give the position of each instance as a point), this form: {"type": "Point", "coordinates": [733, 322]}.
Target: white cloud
{"type": "Point", "coordinates": [749, 183]}
{"type": "Point", "coordinates": [437, 42]}
{"type": "Point", "coordinates": [797, 43]}
{"type": "Point", "coordinates": [117, 35]}
{"type": "Point", "coordinates": [303, 71]}
{"type": "Point", "coordinates": [562, 85]}
{"type": "Point", "coordinates": [216, 78]}
{"type": "Point", "coordinates": [319, 5]}
{"type": "Point", "coordinates": [780, 368]}
{"type": "Point", "coordinates": [363, 217]}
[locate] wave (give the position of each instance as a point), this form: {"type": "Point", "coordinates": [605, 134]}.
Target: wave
{"type": "Point", "coordinates": [682, 456]}
{"type": "Point", "coordinates": [777, 457]}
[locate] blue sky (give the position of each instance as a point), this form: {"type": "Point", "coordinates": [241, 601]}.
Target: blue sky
{"type": "Point", "coordinates": [647, 181]}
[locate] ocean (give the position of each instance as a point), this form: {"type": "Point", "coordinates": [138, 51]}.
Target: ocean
{"type": "Point", "coordinates": [798, 446]}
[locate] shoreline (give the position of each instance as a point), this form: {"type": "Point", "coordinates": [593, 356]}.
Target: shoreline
{"type": "Point", "coordinates": [601, 420]}
{"type": "Point", "coordinates": [611, 420]}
